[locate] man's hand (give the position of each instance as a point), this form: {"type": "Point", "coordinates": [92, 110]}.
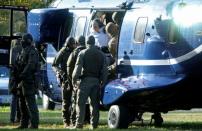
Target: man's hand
{"type": "Point", "coordinates": [21, 77]}
{"type": "Point", "coordinates": [76, 85]}
{"type": "Point", "coordinates": [57, 74]}
{"type": "Point", "coordinates": [66, 85]}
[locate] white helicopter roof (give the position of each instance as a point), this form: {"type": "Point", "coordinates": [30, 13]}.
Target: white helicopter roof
{"type": "Point", "coordinates": [92, 3]}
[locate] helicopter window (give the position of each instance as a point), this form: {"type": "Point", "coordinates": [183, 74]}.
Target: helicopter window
{"type": "Point", "coordinates": [140, 30]}
{"type": "Point", "coordinates": [5, 22]}
{"type": "Point", "coordinates": [80, 26]}
{"type": "Point", "coordinates": [19, 22]}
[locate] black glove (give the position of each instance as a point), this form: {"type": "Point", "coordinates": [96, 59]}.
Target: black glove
{"type": "Point", "coordinates": [21, 77]}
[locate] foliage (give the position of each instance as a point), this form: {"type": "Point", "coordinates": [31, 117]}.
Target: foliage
{"type": "Point", "coordinates": [19, 22]}
{"type": "Point", "coordinates": [31, 4]}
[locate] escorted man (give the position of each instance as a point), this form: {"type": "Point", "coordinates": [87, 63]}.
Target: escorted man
{"type": "Point", "coordinates": [90, 73]}
{"type": "Point", "coordinates": [29, 63]}
{"type": "Point", "coordinates": [98, 31]}
{"type": "Point", "coordinates": [70, 67]}
{"type": "Point", "coordinates": [60, 66]}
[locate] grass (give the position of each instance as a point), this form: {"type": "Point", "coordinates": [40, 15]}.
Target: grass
{"type": "Point", "coordinates": [177, 120]}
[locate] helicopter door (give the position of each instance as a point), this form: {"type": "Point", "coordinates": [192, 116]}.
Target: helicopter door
{"type": "Point", "coordinates": [50, 25]}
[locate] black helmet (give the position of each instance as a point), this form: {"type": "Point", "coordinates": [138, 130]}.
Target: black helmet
{"type": "Point", "coordinates": [70, 41]}
{"type": "Point", "coordinates": [90, 40]}
{"type": "Point", "coordinates": [27, 40]}
{"type": "Point", "coordinates": [81, 40]}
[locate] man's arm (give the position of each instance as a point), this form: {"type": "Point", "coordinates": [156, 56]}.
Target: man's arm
{"type": "Point", "coordinates": [57, 61]}
{"type": "Point", "coordinates": [78, 68]}
{"type": "Point", "coordinates": [104, 72]}
{"type": "Point", "coordinates": [70, 65]}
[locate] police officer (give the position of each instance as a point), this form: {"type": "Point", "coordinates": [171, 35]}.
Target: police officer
{"type": "Point", "coordinates": [16, 49]}
{"type": "Point", "coordinates": [60, 66]}
{"type": "Point", "coordinates": [29, 66]}
{"type": "Point", "coordinates": [70, 67]}
{"type": "Point", "coordinates": [89, 74]}
{"type": "Point", "coordinates": [117, 17]}
{"type": "Point", "coordinates": [112, 31]}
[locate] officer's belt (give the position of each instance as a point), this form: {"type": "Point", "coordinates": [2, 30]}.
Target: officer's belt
{"type": "Point", "coordinates": [93, 76]}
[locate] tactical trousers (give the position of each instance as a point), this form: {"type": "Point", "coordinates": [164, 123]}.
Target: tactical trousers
{"type": "Point", "coordinates": [73, 110]}
{"type": "Point", "coordinates": [66, 103]}
{"type": "Point", "coordinates": [29, 111]}
{"type": "Point", "coordinates": [73, 107]}
{"type": "Point", "coordinates": [89, 87]}
{"type": "Point", "coordinates": [15, 109]}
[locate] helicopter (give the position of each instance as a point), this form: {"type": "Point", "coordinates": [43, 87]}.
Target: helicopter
{"type": "Point", "coordinates": [158, 56]}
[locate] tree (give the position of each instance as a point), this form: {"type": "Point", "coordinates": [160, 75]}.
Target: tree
{"type": "Point", "coordinates": [18, 17]}
{"type": "Point", "coordinates": [31, 4]}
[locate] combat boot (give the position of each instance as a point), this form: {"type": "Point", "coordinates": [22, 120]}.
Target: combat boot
{"type": "Point", "coordinates": [66, 125]}
{"type": "Point", "coordinates": [21, 127]}
{"type": "Point", "coordinates": [33, 127]}
{"type": "Point", "coordinates": [76, 127]}
{"type": "Point", "coordinates": [92, 127]}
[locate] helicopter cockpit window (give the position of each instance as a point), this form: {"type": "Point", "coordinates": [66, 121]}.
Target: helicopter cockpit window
{"type": "Point", "coordinates": [140, 29]}
{"type": "Point", "coordinates": [19, 22]}
{"type": "Point", "coordinates": [5, 22]}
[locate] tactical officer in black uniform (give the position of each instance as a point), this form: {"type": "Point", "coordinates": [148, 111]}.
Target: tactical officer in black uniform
{"type": "Point", "coordinates": [90, 73]}
{"type": "Point", "coordinates": [28, 66]}
{"type": "Point", "coordinates": [70, 67]}
{"type": "Point", "coordinates": [16, 50]}
{"type": "Point", "coordinates": [60, 66]}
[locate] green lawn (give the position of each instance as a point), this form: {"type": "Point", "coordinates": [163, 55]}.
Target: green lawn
{"type": "Point", "coordinates": [177, 120]}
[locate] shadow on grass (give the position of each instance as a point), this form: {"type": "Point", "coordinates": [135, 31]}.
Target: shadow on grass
{"type": "Point", "coordinates": [183, 126]}
{"type": "Point", "coordinates": [170, 126]}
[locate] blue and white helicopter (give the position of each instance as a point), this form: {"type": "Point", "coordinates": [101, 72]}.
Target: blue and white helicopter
{"type": "Point", "coordinates": [158, 57]}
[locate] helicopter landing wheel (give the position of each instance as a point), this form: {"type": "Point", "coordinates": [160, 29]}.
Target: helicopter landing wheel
{"type": "Point", "coordinates": [118, 117]}
{"type": "Point", "coordinates": [158, 120]}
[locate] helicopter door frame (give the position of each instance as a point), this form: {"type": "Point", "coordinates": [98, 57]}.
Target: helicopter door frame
{"type": "Point", "coordinates": [94, 12]}
{"type": "Point", "coordinates": [79, 28]}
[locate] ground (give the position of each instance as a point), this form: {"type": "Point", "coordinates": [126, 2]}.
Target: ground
{"type": "Point", "coordinates": [176, 120]}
